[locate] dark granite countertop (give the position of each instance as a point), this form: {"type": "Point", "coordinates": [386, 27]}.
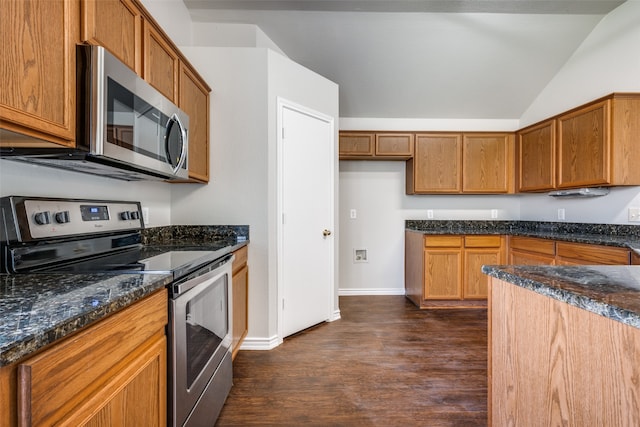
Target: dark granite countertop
{"type": "Point", "coordinates": [609, 291]}
{"type": "Point", "coordinates": [38, 309]}
{"type": "Point", "coordinates": [625, 236]}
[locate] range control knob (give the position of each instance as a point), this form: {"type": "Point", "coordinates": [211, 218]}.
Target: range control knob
{"type": "Point", "coordinates": [125, 216]}
{"type": "Point", "coordinates": [62, 217]}
{"type": "Point", "coordinates": [134, 215]}
{"type": "Point", "coordinates": [42, 218]}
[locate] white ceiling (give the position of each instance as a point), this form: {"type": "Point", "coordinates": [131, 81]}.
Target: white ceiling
{"type": "Point", "coordinates": [480, 59]}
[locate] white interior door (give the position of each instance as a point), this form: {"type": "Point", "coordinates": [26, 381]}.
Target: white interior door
{"type": "Point", "coordinates": [306, 276]}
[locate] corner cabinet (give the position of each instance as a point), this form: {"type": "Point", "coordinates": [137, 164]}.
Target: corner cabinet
{"type": "Point", "coordinates": [38, 96]}
{"type": "Point", "coordinates": [240, 283]}
{"type": "Point", "coordinates": [536, 148]}
{"type": "Point", "coordinates": [444, 271]}
{"type": "Point", "coordinates": [111, 373]}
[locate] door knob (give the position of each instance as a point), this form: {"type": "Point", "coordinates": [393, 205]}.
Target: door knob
{"type": "Point", "coordinates": [326, 232]}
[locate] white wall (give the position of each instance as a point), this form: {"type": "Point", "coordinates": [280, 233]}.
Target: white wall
{"type": "Point", "coordinates": [237, 192]}
{"type": "Point", "coordinates": [34, 180]}
{"type": "Point", "coordinates": [246, 84]}
{"type": "Point", "coordinates": [174, 18]}
{"type": "Point", "coordinates": [376, 190]}
{"type": "Point", "coordinates": [607, 61]}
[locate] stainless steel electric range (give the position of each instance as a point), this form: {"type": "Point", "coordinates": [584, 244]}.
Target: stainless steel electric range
{"type": "Point", "coordinates": [47, 235]}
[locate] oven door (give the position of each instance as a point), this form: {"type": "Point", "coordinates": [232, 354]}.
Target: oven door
{"type": "Point", "coordinates": [200, 340]}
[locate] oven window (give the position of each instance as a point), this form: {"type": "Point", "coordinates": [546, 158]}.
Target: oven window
{"type": "Point", "coordinates": [207, 325]}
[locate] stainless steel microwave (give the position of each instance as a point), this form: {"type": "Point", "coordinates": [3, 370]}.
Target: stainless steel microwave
{"type": "Point", "coordinates": [126, 129]}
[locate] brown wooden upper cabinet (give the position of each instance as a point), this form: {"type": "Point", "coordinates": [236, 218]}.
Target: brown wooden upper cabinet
{"type": "Point", "coordinates": [592, 145]}
{"type": "Point", "coordinates": [487, 163]}
{"type": "Point", "coordinates": [38, 99]}
{"type": "Point", "coordinates": [536, 148]}
{"type": "Point", "coordinates": [194, 100]}
{"type": "Point", "coordinates": [436, 164]}
{"type": "Point", "coordinates": [38, 95]}
{"type": "Point", "coordinates": [461, 163]}
{"type": "Point", "coordinates": [161, 62]}
{"type": "Point", "coordinates": [375, 146]}
{"type": "Point", "coordinates": [117, 26]}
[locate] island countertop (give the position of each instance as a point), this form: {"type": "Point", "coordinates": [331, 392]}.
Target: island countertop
{"type": "Point", "coordinates": [609, 291]}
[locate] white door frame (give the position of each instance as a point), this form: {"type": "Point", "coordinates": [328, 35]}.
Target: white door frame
{"type": "Point", "coordinates": [281, 105]}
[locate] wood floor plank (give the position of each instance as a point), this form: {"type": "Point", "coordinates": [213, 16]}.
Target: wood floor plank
{"type": "Point", "coordinates": [384, 363]}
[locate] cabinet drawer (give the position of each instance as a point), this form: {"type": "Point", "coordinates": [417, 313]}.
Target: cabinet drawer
{"type": "Point", "coordinates": [482, 241]}
{"type": "Point", "coordinates": [596, 254]}
{"type": "Point", "coordinates": [531, 244]}
{"type": "Point", "coordinates": [241, 258]}
{"type": "Point", "coordinates": [443, 241]}
{"type": "Point", "coordinates": [55, 381]}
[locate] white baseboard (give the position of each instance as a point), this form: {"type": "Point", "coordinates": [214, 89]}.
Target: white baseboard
{"type": "Point", "coordinates": [370, 291]}
{"type": "Point", "coordinates": [251, 343]}
{"type": "Point", "coordinates": [335, 316]}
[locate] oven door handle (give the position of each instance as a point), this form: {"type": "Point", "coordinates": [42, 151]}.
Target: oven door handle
{"type": "Point", "coordinates": [212, 270]}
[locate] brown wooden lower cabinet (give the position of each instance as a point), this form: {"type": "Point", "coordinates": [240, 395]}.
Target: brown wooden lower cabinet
{"type": "Point", "coordinates": [444, 271]}
{"type": "Point", "coordinates": [551, 363]}
{"type": "Point", "coordinates": [536, 251]}
{"type": "Point", "coordinates": [111, 373]}
{"type": "Point", "coordinates": [240, 284]}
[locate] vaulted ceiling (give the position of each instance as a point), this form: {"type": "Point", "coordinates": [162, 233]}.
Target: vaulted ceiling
{"type": "Point", "coordinates": [481, 59]}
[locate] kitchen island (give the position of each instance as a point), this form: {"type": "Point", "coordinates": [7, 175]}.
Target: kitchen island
{"type": "Point", "coordinates": [564, 345]}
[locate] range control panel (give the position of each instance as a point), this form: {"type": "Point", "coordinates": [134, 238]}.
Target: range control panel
{"type": "Point", "coordinates": [45, 218]}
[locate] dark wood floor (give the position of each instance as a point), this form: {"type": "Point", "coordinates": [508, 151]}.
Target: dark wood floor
{"type": "Point", "coordinates": [385, 363]}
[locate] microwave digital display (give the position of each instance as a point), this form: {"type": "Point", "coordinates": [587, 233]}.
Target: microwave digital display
{"type": "Point", "coordinates": [94, 213]}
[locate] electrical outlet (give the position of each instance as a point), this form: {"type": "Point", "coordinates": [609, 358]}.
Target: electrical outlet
{"type": "Point", "coordinates": [145, 215]}
{"type": "Point", "coordinates": [429, 213]}
{"type": "Point", "coordinates": [560, 213]}
{"type": "Point", "coordinates": [634, 214]}
{"type": "Point", "coordinates": [494, 213]}
{"type": "Point", "coordinates": [359, 255]}
{"type": "Point", "coordinates": [353, 214]}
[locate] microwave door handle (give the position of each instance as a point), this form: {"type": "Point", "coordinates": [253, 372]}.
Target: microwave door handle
{"type": "Point", "coordinates": [183, 133]}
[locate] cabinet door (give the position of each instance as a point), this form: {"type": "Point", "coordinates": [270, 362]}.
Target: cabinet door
{"type": "Point", "coordinates": [475, 281]}
{"type": "Point", "coordinates": [116, 25]}
{"type": "Point", "coordinates": [135, 396]}
{"type": "Point", "coordinates": [394, 145]}
{"type": "Point", "coordinates": [240, 282]}
{"type": "Point", "coordinates": [443, 273]}
{"type": "Point", "coordinates": [537, 157]}
{"type": "Point", "coordinates": [436, 163]}
{"type": "Point", "coordinates": [353, 145]}
{"type": "Point", "coordinates": [584, 146]}
{"type": "Point", "coordinates": [74, 377]}
{"type": "Point", "coordinates": [194, 100]}
{"type": "Point", "coordinates": [38, 56]}
{"type": "Point", "coordinates": [161, 62]}
{"type": "Point", "coordinates": [487, 163]}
